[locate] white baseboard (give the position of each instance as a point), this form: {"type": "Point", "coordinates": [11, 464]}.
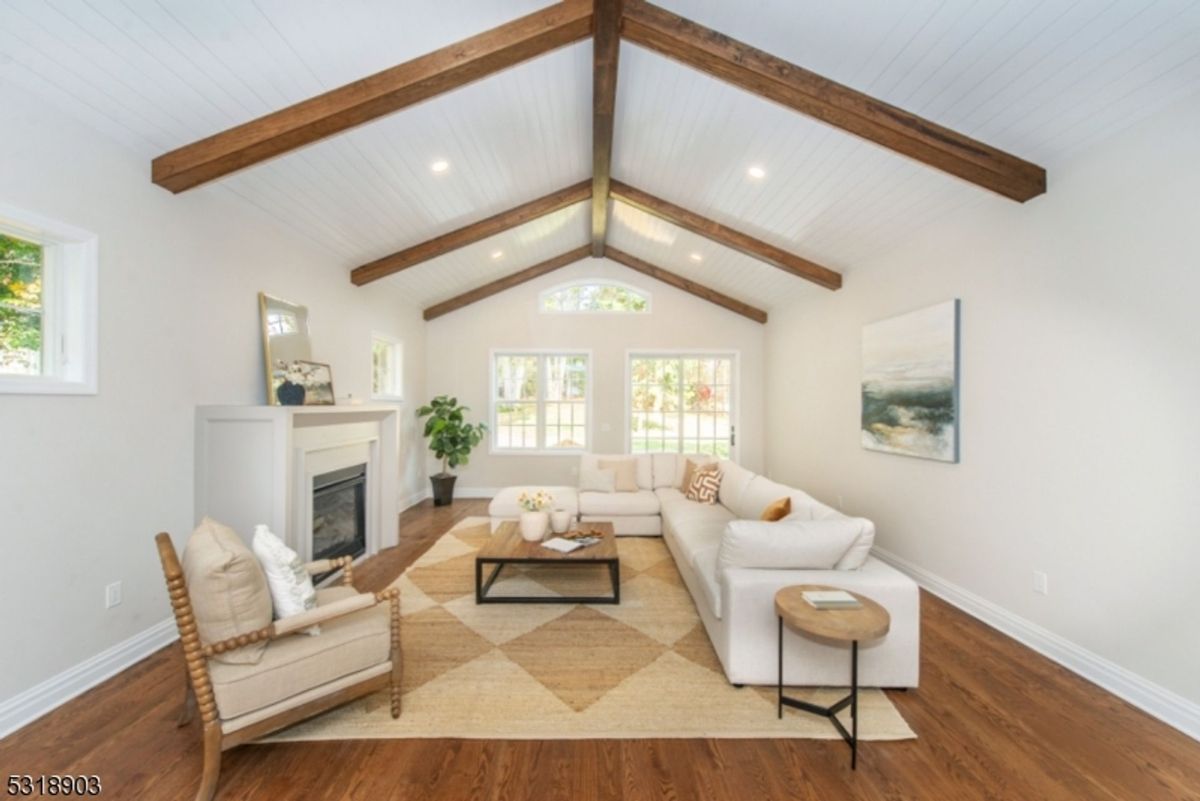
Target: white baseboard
{"type": "Point", "coordinates": [476, 492]}
{"type": "Point", "coordinates": [413, 500]}
{"type": "Point", "coordinates": [26, 707]}
{"type": "Point", "coordinates": [1167, 706]}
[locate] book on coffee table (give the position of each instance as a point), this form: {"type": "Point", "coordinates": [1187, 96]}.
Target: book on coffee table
{"type": "Point", "coordinates": [831, 599]}
{"type": "Point", "coordinates": [566, 546]}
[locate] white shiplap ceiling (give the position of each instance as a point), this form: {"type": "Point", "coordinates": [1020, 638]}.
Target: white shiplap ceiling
{"type": "Point", "coordinates": [1039, 78]}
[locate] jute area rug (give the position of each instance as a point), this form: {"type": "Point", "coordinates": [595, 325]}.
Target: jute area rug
{"type": "Point", "coordinates": [644, 668]}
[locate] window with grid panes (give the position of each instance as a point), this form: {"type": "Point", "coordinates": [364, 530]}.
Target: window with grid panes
{"type": "Point", "coordinates": [540, 401]}
{"type": "Point", "coordinates": [682, 403]}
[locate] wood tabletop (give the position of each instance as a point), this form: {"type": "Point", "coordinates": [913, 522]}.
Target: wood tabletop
{"type": "Point", "coordinates": [868, 622]}
{"type": "Point", "coordinates": [508, 544]}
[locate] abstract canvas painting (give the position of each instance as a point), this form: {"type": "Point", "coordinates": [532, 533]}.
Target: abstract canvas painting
{"type": "Point", "coordinates": [910, 384]}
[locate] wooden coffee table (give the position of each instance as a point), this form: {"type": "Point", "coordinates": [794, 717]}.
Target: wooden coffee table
{"type": "Point", "coordinates": [869, 621]}
{"type": "Point", "coordinates": [507, 547]}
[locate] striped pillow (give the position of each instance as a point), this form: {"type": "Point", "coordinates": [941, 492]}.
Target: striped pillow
{"type": "Point", "coordinates": [704, 486]}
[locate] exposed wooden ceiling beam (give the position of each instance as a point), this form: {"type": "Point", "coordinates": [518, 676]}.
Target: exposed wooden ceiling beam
{"type": "Point", "coordinates": [797, 88]}
{"type": "Point", "coordinates": [375, 96]}
{"type": "Point", "coordinates": [402, 260]}
{"type": "Point", "coordinates": [686, 284]}
{"type": "Point", "coordinates": [606, 47]}
{"type": "Point", "coordinates": [507, 282]}
{"type": "Point", "coordinates": [727, 236]}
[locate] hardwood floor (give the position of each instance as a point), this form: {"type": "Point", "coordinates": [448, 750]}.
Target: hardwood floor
{"type": "Point", "coordinates": [994, 720]}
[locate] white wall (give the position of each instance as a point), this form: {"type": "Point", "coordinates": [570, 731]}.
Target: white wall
{"type": "Point", "coordinates": [1080, 387]}
{"type": "Point", "coordinates": [85, 482]}
{"type": "Point", "coordinates": [458, 347]}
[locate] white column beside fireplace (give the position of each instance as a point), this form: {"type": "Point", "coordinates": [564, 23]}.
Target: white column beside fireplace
{"type": "Point", "coordinates": [256, 464]}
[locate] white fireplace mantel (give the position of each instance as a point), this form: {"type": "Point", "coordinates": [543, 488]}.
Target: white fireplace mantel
{"type": "Point", "coordinates": [255, 464]}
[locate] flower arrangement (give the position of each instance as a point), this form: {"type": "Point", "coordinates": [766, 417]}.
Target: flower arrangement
{"type": "Point", "coordinates": [536, 502]}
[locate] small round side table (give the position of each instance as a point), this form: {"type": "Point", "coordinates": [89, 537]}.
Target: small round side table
{"type": "Point", "coordinates": [868, 621]}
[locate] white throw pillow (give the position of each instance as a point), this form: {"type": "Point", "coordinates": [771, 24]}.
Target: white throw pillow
{"type": "Point", "coordinates": [292, 590]}
{"type": "Point", "coordinates": [597, 480]}
{"type": "Point", "coordinates": [791, 544]}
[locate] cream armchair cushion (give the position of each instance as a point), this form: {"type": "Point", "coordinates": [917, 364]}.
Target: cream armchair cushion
{"type": "Point", "coordinates": [228, 590]}
{"type": "Point", "coordinates": [294, 664]}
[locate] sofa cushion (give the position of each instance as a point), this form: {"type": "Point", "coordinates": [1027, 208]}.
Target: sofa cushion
{"type": "Point", "coordinates": [645, 479]}
{"type": "Point", "coordinates": [293, 664]}
{"type": "Point", "coordinates": [694, 526]}
{"type": "Point", "coordinates": [693, 466]}
{"type": "Point", "coordinates": [642, 502]}
{"type": "Point", "coordinates": [789, 544]}
{"type": "Point", "coordinates": [704, 564]}
{"type": "Point", "coordinates": [662, 469]}
{"type": "Point", "coordinates": [625, 472]}
{"type": "Point", "coordinates": [734, 480]}
{"type": "Point", "coordinates": [777, 510]}
{"type": "Point", "coordinates": [228, 590]}
{"type": "Point", "coordinates": [597, 480]}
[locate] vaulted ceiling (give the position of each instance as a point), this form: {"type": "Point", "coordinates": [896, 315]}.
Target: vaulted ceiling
{"type": "Point", "coordinates": [1040, 79]}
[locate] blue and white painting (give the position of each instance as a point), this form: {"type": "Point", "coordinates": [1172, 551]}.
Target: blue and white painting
{"type": "Point", "coordinates": [910, 384]}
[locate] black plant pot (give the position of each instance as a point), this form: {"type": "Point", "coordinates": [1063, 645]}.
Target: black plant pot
{"type": "Point", "coordinates": [443, 489]}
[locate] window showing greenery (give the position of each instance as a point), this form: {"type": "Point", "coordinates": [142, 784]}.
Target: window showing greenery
{"type": "Point", "coordinates": [386, 368]}
{"type": "Point", "coordinates": [21, 306]}
{"type": "Point", "coordinates": [594, 296]}
{"type": "Point", "coordinates": [681, 404]}
{"type": "Point", "coordinates": [539, 401]}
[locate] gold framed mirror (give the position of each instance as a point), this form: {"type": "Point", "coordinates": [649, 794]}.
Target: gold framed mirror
{"type": "Point", "coordinates": [285, 340]}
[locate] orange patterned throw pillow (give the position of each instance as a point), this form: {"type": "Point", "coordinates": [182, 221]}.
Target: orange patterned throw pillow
{"type": "Point", "coordinates": [704, 486]}
{"type": "Point", "coordinates": [777, 510]}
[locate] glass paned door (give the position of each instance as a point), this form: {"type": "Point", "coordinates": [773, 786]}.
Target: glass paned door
{"type": "Point", "coordinates": [682, 404]}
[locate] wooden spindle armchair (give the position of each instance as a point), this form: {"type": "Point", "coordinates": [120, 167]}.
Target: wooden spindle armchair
{"type": "Point", "coordinates": [297, 676]}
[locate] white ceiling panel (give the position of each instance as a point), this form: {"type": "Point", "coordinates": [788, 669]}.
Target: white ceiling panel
{"type": "Point", "coordinates": [513, 137]}
{"type": "Point", "coordinates": [472, 266]}
{"type": "Point", "coordinates": [726, 270]}
{"type": "Point", "coordinates": [1039, 78]}
{"type": "Point", "coordinates": [826, 196]}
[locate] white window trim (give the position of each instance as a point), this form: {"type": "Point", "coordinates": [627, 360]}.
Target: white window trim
{"type": "Point", "coordinates": [396, 342]}
{"type": "Point", "coordinates": [71, 290]}
{"type": "Point", "coordinates": [539, 352]}
{"type": "Point", "coordinates": [659, 353]}
{"type": "Point", "coordinates": [599, 281]}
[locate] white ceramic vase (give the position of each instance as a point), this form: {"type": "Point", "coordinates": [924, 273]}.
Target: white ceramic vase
{"type": "Point", "coordinates": [560, 521]}
{"type": "Point", "coordinates": [533, 525]}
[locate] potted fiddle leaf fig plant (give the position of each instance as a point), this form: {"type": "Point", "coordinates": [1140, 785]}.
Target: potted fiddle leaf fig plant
{"type": "Point", "coordinates": [451, 439]}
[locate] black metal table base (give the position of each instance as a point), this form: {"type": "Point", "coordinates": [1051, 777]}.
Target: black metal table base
{"type": "Point", "coordinates": [851, 700]}
{"type": "Point", "coordinates": [482, 587]}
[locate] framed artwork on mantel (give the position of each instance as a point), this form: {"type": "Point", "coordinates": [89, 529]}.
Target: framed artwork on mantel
{"type": "Point", "coordinates": [910, 383]}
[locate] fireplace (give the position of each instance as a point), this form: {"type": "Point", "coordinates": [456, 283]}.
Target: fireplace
{"type": "Point", "coordinates": [339, 513]}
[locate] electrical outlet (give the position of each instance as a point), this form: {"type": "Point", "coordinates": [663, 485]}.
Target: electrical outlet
{"type": "Point", "coordinates": [112, 595]}
{"type": "Point", "coordinates": [1041, 584]}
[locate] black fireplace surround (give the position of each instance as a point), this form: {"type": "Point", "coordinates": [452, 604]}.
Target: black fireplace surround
{"type": "Point", "coordinates": [339, 520]}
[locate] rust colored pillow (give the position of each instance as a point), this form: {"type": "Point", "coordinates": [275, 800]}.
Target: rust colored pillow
{"type": "Point", "coordinates": [777, 510]}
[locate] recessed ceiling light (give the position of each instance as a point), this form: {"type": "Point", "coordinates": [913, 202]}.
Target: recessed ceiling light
{"type": "Point", "coordinates": [441, 165]}
{"type": "Point", "coordinates": [696, 257]}
{"type": "Point", "coordinates": [756, 172]}
{"type": "Point", "coordinates": [497, 254]}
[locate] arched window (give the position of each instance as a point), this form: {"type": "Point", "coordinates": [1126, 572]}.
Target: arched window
{"type": "Point", "coordinates": [590, 295]}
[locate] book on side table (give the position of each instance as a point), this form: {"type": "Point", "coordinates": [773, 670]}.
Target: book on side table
{"type": "Point", "coordinates": [831, 599]}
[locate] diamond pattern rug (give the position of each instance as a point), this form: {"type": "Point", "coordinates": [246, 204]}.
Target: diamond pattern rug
{"type": "Point", "coordinates": [643, 668]}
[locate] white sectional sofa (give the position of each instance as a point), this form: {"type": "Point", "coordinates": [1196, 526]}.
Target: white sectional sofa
{"type": "Point", "coordinates": [734, 571]}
